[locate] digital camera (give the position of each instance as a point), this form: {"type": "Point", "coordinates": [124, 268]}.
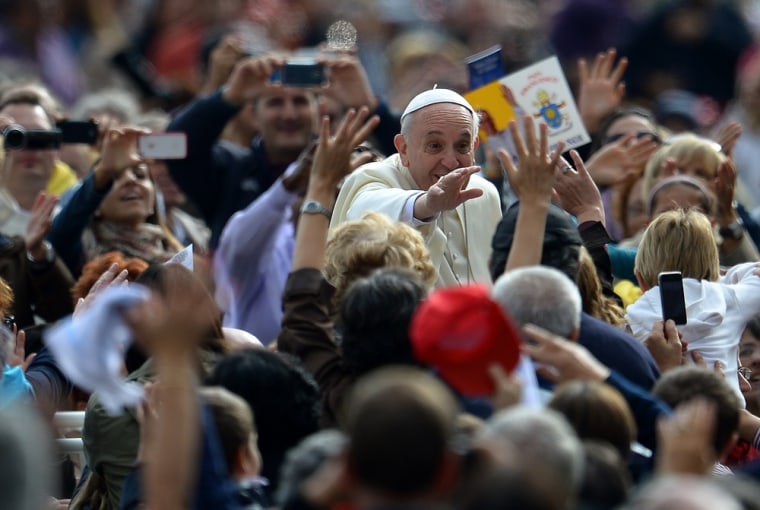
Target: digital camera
{"type": "Point", "coordinates": [17, 138]}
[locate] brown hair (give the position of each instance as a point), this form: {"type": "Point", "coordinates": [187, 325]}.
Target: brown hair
{"type": "Point", "coordinates": [596, 411]}
{"type": "Point", "coordinates": [93, 269]}
{"type": "Point", "coordinates": [233, 419]}
{"type": "Point", "coordinates": [683, 384]}
{"type": "Point", "coordinates": [6, 297]}
{"type": "Point", "coordinates": [595, 302]}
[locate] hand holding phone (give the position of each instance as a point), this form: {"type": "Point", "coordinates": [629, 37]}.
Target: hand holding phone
{"type": "Point", "coordinates": [672, 296]}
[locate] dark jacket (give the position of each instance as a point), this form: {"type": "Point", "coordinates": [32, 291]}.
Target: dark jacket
{"type": "Point", "coordinates": [619, 351]}
{"type": "Point", "coordinates": [39, 288]}
{"type": "Point", "coordinates": [221, 179]}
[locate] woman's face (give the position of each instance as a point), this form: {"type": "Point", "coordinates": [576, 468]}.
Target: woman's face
{"type": "Point", "coordinates": [132, 197]}
{"type": "Point", "coordinates": [636, 211]}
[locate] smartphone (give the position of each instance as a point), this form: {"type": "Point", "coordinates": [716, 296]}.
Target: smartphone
{"type": "Point", "coordinates": [78, 131]}
{"type": "Point", "coordinates": [672, 296]}
{"type": "Point", "coordinates": [163, 146]}
{"type": "Point", "coordinates": [301, 73]}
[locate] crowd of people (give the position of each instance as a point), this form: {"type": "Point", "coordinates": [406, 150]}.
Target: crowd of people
{"type": "Point", "coordinates": [338, 297]}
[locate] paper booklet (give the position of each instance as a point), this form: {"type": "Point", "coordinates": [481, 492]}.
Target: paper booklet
{"type": "Point", "coordinates": [539, 90]}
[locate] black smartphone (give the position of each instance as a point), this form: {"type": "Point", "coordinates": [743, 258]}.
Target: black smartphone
{"type": "Point", "coordinates": [672, 296]}
{"type": "Point", "coordinates": [301, 74]}
{"type": "Point", "coordinates": [78, 131]}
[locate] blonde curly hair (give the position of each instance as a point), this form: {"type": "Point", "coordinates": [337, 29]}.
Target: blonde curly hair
{"type": "Point", "coordinates": [356, 248]}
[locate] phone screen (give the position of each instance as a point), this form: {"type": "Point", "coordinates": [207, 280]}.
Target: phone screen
{"type": "Point", "coordinates": [301, 73]}
{"type": "Point", "coordinates": [163, 146]}
{"type": "Point", "coordinates": [672, 297]}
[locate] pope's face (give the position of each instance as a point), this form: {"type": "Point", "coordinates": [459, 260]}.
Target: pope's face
{"type": "Point", "coordinates": [439, 139]}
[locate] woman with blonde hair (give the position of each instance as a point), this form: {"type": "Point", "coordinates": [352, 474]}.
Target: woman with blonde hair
{"type": "Point", "coordinates": [356, 248]}
{"type": "Point", "coordinates": [717, 307]}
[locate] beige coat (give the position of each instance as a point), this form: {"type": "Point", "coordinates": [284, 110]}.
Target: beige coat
{"type": "Point", "coordinates": [386, 185]}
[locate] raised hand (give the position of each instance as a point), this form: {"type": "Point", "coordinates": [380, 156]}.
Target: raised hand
{"type": "Point", "coordinates": [332, 159]}
{"type": "Point", "coordinates": [577, 192]}
{"type": "Point", "coordinates": [725, 188]}
{"type": "Point", "coordinates": [349, 84]}
{"type": "Point", "coordinates": [250, 78]}
{"type": "Point", "coordinates": [601, 88]}
{"type": "Point", "coordinates": [446, 194]}
{"type": "Point", "coordinates": [40, 221]}
{"type": "Point", "coordinates": [119, 153]}
{"type": "Point", "coordinates": [534, 180]}
{"type": "Point", "coordinates": [18, 356]}
{"type": "Point", "coordinates": [614, 162]}
{"type": "Point", "coordinates": [684, 440]}
{"type": "Point", "coordinates": [222, 61]}
{"type": "Point", "coordinates": [560, 360]}
{"type": "Point", "coordinates": [111, 276]}
{"type": "Point", "coordinates": [728, 136]}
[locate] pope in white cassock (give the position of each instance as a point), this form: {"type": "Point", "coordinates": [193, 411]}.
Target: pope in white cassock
{"type": "Point", "coordinates": [431, 184]}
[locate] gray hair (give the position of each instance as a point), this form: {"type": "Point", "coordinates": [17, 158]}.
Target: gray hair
{"type": "Point", "coordinates": [540, 295]}
{"type": "Point", "coordinates": [118, 103]}
{"type": "Point", "coordinates": [155, 120]}
{"type": "Point", "coordinates": [304, 459]}
{"type": "Point", "coordinates": [544, 442]}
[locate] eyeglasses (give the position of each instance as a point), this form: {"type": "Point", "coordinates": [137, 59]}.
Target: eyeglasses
{"type": "Point", "coordinates": [640, 135]}
{"type": "Point", "coordinates": [745, 372]}
{"type": "Point", "coordinates": [9, 321]}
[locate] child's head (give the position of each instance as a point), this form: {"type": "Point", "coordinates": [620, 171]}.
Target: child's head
{"type": "Point", "coordinates": [677, 241]}
{"type": "Point", "coordinates": [236, 430]}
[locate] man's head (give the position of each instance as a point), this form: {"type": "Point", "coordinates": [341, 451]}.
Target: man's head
{"type": "Point", "coordinates": [439, 133]}
{"type": "Point", "coordinates": [683, 384]}
{"type": "Point", "coordinates": [399, 421]}
{"type": "Point", "coordinates": [677, 241]}
{"type": "Point", "coordinates": [375, 316]}
{"type": "Point", "coordinates": [26, 172]}
{"type": "Point", "coordinates": [542, 296]}
{"type": "Point", "coordinates": [287, 120]}
{"type": "Point", "coordinates": [542, 446]}
{"type": "Point", "coordinates": [562, 243]}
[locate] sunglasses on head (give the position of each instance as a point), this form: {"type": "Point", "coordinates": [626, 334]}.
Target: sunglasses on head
{"type": "Point", "coordinates": [639, 136]}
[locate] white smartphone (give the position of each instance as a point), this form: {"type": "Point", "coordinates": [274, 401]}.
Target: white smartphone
{"type": "Point", "coordinates": [163, 146]}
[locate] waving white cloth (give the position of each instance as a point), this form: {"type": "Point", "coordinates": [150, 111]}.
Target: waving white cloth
{"type": "Point", "coordinates": [90, 348]}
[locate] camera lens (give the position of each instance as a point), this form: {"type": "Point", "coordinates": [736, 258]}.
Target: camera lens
{"type": "Point", "coordinates": [15, 137]}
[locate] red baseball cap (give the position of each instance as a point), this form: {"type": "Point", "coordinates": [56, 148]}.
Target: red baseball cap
{"type": "Point", "coordinates": [460, 332]}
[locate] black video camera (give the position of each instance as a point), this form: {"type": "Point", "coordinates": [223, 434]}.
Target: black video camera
{"type": "Point", "coordinates": [17, 138]}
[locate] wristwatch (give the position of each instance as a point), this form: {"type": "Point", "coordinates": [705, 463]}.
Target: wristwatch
{"type": "Point", "coordinates": [49, 255]}
{"type": "Point", "coordinates": [734, 230]}
{"type": "Point", "coordinates": [314, 207]}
